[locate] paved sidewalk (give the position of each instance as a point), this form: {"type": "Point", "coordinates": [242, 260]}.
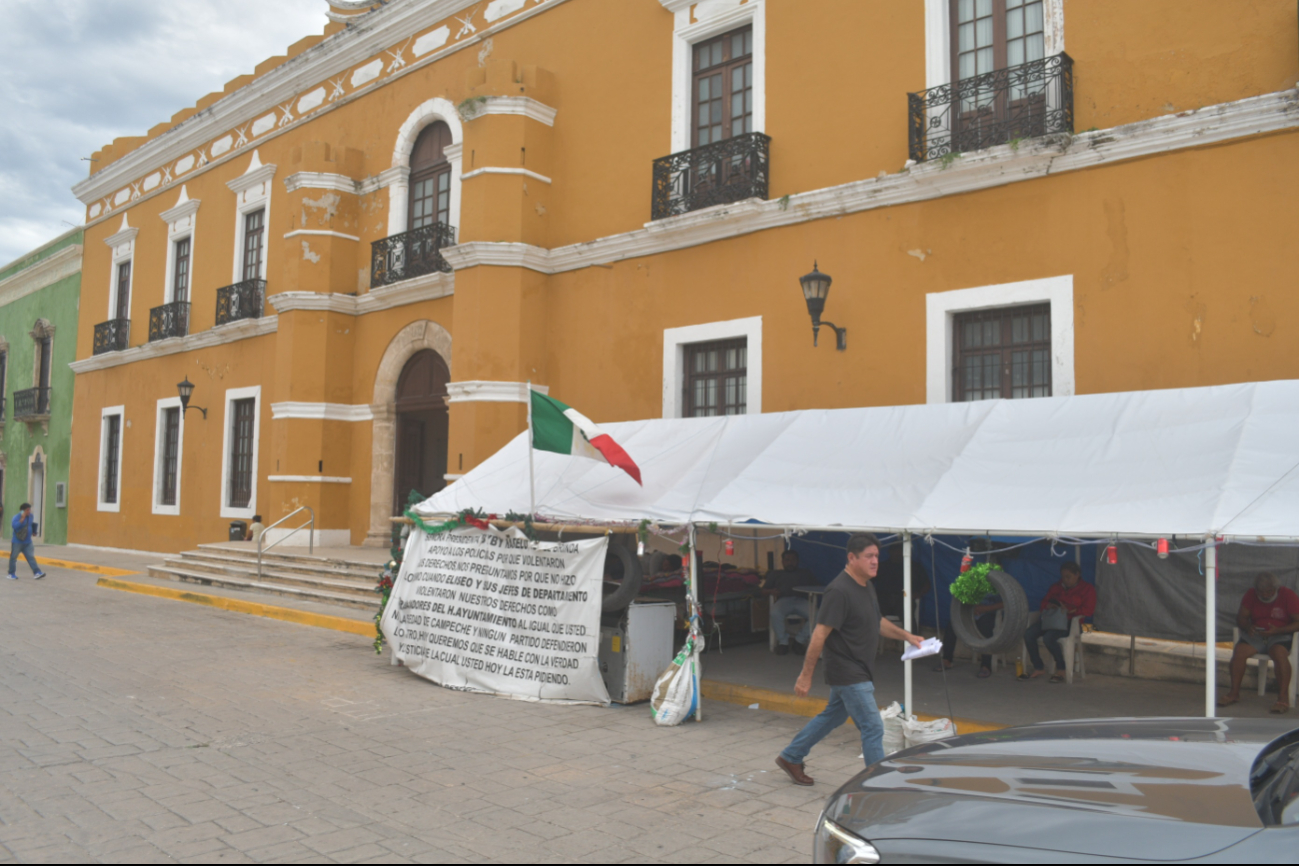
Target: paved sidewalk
{"type": "Point", "coordinates": [146, 730]}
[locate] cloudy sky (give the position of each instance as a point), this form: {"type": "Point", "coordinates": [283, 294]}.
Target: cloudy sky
{"type": "Point", "coordinates": [78, 73]}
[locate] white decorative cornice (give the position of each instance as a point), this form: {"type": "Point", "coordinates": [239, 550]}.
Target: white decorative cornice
{"type": "Point", "coordinates": [491, 392]}
{"type": "Point", "coordinates": [504, 255]}
{"type": "Point", "coordinates": [47, 271]}
{"type": "Point", "coordinates": [310, 479]}
{"type": "Point", "coordinates": [123, 235]}
{"type": "Point", "coordinates": [324, 233]}
{"type": "Point", "coordinates": [321, 412]}
{"type": "Point", "coordinates": [522, 106]}
{"type": "Point", "coordinates": [429, 287]}
{"type": "Point", "coordinates": [971, 172]}
{"type": "Point", "coordinates": [256, 175]}
{"type": "Point", "coordinates": [492, 170]}
{"type": "Point", "coordinates": [185, 207]}
{"type": "Point", "coordinates": [384, 29]}
{"type": "Point", "coordinates": [243, 329]}
{"type": "Point", "coordinates": [675, 6]}
{"type": "Point", "coordinates": [322, 180]}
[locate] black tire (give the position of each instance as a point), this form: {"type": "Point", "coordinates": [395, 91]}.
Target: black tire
{"type": "Point", "coordinates": [1014, 617]}
{"type": "Point", "coordinates": [629, 587]}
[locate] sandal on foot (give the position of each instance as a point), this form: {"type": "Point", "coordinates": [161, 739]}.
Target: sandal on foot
{"type": "Point", "coordinates": [1227, 701]}
{"type": "Point", "coordinates": [1280, 708]}
{"type": "Point", "coordinates": [1057, 678]}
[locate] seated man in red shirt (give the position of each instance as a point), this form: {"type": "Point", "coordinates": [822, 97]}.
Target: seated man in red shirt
{"type": "Point", "coordinates": [1071, 595]}
{"type": "Point", "coordinates": [1268, 619]}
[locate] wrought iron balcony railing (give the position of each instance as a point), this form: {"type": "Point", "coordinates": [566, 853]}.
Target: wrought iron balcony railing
{"type": "Point", "coordinates": [32, 403]}
{"type": "Point", "coordinates": [410, 254]}
{"type": "Point", "coordinates": [169, 320]}
{"type": "Point", "coordinates": [720, 173]}
{"type": "Point", "coordinates": [112, 336]}
{"type": "Point", "coordinates": [998, 107]}
{"type": "Point", "coordinates": [246, 300]}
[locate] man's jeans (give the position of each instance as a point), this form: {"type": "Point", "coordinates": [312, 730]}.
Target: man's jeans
{"type": "Point", "coordinates": [1052, 640]}
{"type": "Point", "coordinates": [28, 550]}
{"type": "Point", "coordinates": [858, 701]}
{"type": "Point", "coordinates": [784, 608]}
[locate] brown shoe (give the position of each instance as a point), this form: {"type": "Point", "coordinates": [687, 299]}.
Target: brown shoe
{"type": "Point", "coordinates": [795, 772]}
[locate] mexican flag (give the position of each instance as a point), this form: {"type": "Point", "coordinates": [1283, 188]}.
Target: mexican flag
{"type": "Point", "coordinates": [564, 430]}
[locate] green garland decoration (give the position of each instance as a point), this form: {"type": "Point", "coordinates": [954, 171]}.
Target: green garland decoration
{"type": "Point", "coordinates": [973, 586]}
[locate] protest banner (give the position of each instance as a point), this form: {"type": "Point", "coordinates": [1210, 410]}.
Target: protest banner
{"type": "Point", "coordinates": [490, 611]}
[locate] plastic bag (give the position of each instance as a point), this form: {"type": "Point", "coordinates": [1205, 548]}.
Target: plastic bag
{"type": "Point", "coordinates": [675, 697]}
{"type": "Point", "coordinates": [894, 741]}
{"type": "Point", "coordinates": [915, 732]}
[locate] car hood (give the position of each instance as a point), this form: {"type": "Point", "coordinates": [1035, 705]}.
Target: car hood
{"type": "Point", "coordinates": [1163, 789]}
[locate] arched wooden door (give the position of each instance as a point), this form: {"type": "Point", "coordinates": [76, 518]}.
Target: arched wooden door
{"type": "Point", "coordinates": [421, 450]}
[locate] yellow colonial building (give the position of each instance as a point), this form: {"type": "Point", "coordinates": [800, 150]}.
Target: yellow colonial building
{"type": "Point", "coordinates": [361, 252]}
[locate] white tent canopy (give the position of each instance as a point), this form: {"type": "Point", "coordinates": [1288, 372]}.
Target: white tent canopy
{"type": "Point", "coordinates": [1200, 462]}
{"type": "Point", "coordinates": [1192, 462]}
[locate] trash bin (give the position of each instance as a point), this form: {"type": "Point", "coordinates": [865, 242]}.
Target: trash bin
{"type": "Point", "coordinates": [238, 530]}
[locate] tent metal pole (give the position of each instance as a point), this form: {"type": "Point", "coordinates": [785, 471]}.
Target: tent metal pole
{"type": "Point", "coordinates": [906, 618]}
{"type": "Point", "coordinates": [1211, 631]}
{"type": "Point", "coordinates": [694, 595]}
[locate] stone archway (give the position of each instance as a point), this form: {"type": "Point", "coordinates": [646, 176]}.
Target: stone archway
{"type": "Point", "coordinates": [413, 338]}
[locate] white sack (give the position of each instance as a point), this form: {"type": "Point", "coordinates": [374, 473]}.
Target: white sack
{"type": "Point", "coordinates": [916, 732]}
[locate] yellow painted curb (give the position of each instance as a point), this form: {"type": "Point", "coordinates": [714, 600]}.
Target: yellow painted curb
{"type": "Point", "coordinates": [236, 605]}
{"type": "Point", "coordinates": [85, 566]}
{"type": "Point", "coordinates": [783, 702]}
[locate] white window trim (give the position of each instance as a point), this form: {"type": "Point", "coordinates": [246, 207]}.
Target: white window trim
{"type": "Point", "coordinates": [123, 246]}
{"type": "Point", "coordinates": [158, 453]}
{"type": "Point", "coordinates": [425, 115]}
{"type": "Point", "coordinates": [938, 36]}
{"type": "Point", "coordinates": [180, 221]}
{"type": "Point", "coordinates": [252, 192]}
{"type": "Point", "coordinates": [713, 18]}
{"type": "Point", "coordinates": [942, 307]}
{"type": "Point", "coordinates": [232, 395]}
{"type": "Point", "coordinates": [676, 339]}
{"type": "Point", "coordinates": [104, 415]}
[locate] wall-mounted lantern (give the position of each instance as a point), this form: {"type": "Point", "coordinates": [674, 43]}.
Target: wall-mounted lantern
{"type": "Point", "coordinates": [816, 286]}
{"type": "Point", "coordinates": [186, 390]}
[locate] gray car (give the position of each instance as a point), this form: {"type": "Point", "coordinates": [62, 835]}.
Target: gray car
{"type": "Point", "coordinates": [1102, 790]}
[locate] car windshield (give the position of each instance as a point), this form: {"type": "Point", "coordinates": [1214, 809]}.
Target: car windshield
{"type": "Point", "coordinates": [1274, 782]}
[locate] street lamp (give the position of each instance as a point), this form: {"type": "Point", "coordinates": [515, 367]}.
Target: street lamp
{"type": "Point", "coordinates": [816, 286]}
{"type": "Point", "coordinates": [186, 390]}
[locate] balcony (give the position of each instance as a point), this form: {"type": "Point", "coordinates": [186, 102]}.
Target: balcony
{"type": "Point", "coordinates": [246, 300]}
{"type": "Point", "coordinates": [999, 107]}
{"type": "Point", "coordinates": [169, 320]}
{"type": "Point", "coordinates": [410, 254]}
{"type": "Point", "coordinates": [33, 404]}
{"type": "Point", "coordinates": [111, 336]}
{"type": "Point", "coordinates": [720, 173]}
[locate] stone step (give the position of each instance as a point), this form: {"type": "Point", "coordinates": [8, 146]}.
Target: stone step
{"type": "Point", "coordinates": [314, 593]}
{"type": "Point", "coordinates": [235, 560]}
{"type": "Point", "coordinates": [296, 559]}
{"type": "Point", "coordinates": [327, 582]}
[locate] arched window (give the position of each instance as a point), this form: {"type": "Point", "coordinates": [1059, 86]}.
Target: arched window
{"type": "Point", "coordinates": [430, 178]}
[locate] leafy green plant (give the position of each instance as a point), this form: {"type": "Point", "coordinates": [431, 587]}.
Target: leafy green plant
{"type": "Point", "coordinates": [784, 202]}
{"type": "Point", "coordinates": [1014, 143]}
{"type": "Point", "coordinates": [974, 586]}
{"type": "Point", "coordinates": [948, 159]}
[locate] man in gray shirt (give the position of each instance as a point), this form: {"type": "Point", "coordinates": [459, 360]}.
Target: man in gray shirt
{"type": "Point", "coordinates": [848, 630]}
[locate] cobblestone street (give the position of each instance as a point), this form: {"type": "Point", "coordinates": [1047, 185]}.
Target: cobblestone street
{"type": "Point", "coordinates": [146, 730]}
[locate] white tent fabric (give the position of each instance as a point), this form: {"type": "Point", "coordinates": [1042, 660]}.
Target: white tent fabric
{"type": "Point", "coordinates": [1185, 461]}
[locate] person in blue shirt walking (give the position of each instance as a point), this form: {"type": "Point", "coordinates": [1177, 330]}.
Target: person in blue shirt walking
{"type": "Point", "coordinates": [22, 542]}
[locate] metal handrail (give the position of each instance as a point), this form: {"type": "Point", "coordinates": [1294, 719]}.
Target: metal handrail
{"type": "Point", "coordinates": [311, 536]}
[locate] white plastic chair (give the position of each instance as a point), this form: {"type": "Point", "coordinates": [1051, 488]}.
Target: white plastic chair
{"type": "Point", "coordinates": [771, 622]}
{"type": "Point", "coordinates": [1071, 646]}
{"type": "Point", "coordinates": [1264, 660]}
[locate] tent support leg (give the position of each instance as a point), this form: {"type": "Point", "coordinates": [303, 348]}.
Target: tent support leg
{"type": "Point", "coordinates": [694, 594]}
{"type": "Point", "coordinates": [1210, 630]}
{"type": "Point", "coordinates": [906, 618]}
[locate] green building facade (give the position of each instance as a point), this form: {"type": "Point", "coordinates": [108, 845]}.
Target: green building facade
{"type": "Point", "coordinates": [39, 296]}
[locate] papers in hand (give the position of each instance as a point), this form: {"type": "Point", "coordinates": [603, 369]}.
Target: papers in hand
{"type": "Point", "coordinates": [928, 647]}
